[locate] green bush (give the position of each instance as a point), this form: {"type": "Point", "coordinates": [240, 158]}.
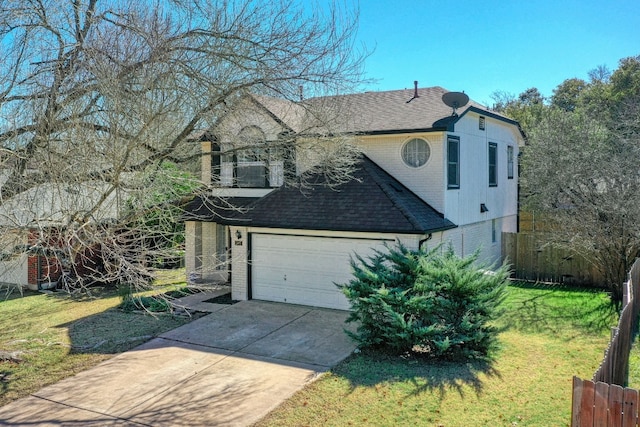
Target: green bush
{"type": "Point", "coordinates": [152, 304]}
{"type": "Point", "coordinates": [431, 302]}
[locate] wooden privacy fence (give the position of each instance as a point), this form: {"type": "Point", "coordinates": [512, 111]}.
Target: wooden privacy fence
{"type": "Point", "coordinates": [603, 402]}
{"type": "Point", "coordinates": [532, 258]}
{"type": "Point", "coordinates": [603, 405]}
{"type": "Point", "coordinates": [615, 365]}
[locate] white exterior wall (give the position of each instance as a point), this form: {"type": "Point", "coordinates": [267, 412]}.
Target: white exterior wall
{"type": "Point", "coordinates": [240, 264]}
{"type": "Point", "coordinates": [201, 254]}
{"type": "Point", "coordinates": [247, 114]}
{"type": "Point", "coordinates": [210, 262]}
{"type": "Point", "coordinates": [426, 181]}
{"type": "Point", "coordinates": [467, 239]}
{"type": "Point", "coordinates": [510, 224]}
{"type": "Point", "coordinates": [14, 270]}
{"type": "Point", "coordinates": [462, 206]}
{"type": "Point", "coordinates": [205, 163]}
{"type": "Point", "coordinates": [190, 250]}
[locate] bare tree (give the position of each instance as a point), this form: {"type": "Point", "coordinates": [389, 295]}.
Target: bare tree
{"type": "Point", "coordinates": [583, 174]}
{"type": "Point", "coordinates": [98, 100]}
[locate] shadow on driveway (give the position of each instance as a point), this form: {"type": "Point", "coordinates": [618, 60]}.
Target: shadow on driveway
{"type": "Point", "coordinates": [228, 368]}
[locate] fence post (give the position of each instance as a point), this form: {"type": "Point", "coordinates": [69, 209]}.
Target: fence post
{"type": "Point", "coordinates": [576, 402]}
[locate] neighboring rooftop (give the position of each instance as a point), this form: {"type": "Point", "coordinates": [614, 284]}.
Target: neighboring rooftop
{"type": "Point", "coordinates": [54, 204]}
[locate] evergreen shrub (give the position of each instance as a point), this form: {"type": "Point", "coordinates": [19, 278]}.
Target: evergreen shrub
{"type": "Point", "coordinates": [430, 302]}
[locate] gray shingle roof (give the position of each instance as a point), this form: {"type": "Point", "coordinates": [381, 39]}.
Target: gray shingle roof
{"type": "Point", "coordinates": [215, 209]}
{"type": "Point", "coordinates": [370, 112]}
{"type": "Point", "coordinates": [373, 201]}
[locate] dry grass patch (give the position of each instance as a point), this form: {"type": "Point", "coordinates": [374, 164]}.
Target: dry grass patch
{"type": "Point", "coordinates": [48, 337]}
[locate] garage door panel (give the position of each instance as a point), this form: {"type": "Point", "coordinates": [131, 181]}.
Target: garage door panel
{"type": "Point", "coordinates": [304, 270]}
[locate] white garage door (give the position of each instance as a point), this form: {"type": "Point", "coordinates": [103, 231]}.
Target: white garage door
{"type": "Point", "coordinates": [302, 269]}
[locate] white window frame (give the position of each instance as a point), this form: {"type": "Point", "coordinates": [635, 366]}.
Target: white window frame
{"type": "Point", "coordinates": [510, 162]}
{"type": "Point", "coordinates": [493, 164]}
{"type": "Point", "coordinates": [455, 185]}
{"type": "Point", "coordinates": [415, 156]}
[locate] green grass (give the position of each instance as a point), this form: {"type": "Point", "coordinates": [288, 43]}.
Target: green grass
{"type": "Point", "coordinates": [55, 336]}
{"type": "Point", "coordinates": [634, 364]}
{"type": "Point", "coordinates": [549, 334]}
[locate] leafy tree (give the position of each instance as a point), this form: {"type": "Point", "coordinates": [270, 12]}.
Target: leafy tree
{"type": "Point", "coordinates": [579, 167]}
{"type": "Point", "coordinates": [430, 302]}
{"type": "Point", "coordinates": [526, 109]}
{"type": "Point", "coordinates": [584, 177]}
{"type": "Point", "coordinates": [625, 81]}
{"type": "Point", "coordinates": [566, 95]}
{"type": "Point", "coordinates": [531, 96]}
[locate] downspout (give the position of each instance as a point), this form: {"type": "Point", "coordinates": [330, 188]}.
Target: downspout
{"type": "Point", "coordinates": [423, 241]}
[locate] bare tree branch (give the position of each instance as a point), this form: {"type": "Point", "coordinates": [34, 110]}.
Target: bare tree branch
{"type": "Point", "coordinates": [98, 100]}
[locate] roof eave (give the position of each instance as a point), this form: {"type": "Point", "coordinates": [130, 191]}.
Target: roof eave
{"type": "Point", "coordinates": [401, 131]}
{"type": "Point", "coordinates": [273, 115]}
{"type": "Point", "coordinates": [249, 223]}
{"type": "Point", "coordinates": [488, 113]}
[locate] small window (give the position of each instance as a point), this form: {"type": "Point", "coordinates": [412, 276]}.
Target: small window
{"type": "Point", "coordinates": [493, 164]}
{"type": "Point", "coordinates": [494, 231]}
{"type": "Point", "coordinates": [481, 123]}
{"type": "Point", "coordinates": [510, 165]}
{"type": "Point", "coordinates": [416, 152]}
{"type": "Point", "coordinates": [453, 162]}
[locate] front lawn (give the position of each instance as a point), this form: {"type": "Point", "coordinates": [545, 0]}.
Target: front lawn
{"type": "Point", "coordinates": [551, 333]}
{"type": "Point", "coordinates": [47, 337]}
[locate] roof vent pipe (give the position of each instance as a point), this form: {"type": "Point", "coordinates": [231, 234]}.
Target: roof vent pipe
{"type": "Point", "coordinates": [415, 91]}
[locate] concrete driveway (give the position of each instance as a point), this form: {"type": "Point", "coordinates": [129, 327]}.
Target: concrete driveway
{"type": "Point", "coordinates": [229, 368]}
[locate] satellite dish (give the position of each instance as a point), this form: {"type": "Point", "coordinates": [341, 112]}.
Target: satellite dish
{"type": "Point", "coordinates": [455, 100]}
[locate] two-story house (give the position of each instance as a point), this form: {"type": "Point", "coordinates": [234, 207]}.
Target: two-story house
{"type": "Point", "coordinates": [429, 174]}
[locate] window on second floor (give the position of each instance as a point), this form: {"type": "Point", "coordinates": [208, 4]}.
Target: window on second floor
{"type": "Point", "coordinates": [493, 164]}
{"type": "Point", "coordinates": [416, 152]}
{"type": "Point", "coordinates": [252, 163]}
{"type": "Point", "coordinates": [453, 162]}
{"type": "Point", "coordinates": [510, 162]}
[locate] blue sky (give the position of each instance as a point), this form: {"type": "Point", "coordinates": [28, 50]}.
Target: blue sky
{"type": "Point", "coordinates": [485, 46]}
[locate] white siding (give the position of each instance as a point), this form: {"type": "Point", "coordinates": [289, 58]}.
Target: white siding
{"type": "Point", "coordinates": [426, 181]}
{"type": "Point", "coordinates": [205, 163]}
{"type": "Point", "coordinates": [14, 270]}
{"type": "Point", "coordinates": [247, 114]}
{"type": "Point", "coordinates": [462, 206]}
{"type": "Point", "coordinates": [465, 240]}
{"type": "Point", "coordinates": [211, 263]}
{"type": "Point", "coordinates": [190, 250]}
{"type": "Point", "coordinates": [239, 263]}
{"type": "Point", "coordinates": [203, 260]}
